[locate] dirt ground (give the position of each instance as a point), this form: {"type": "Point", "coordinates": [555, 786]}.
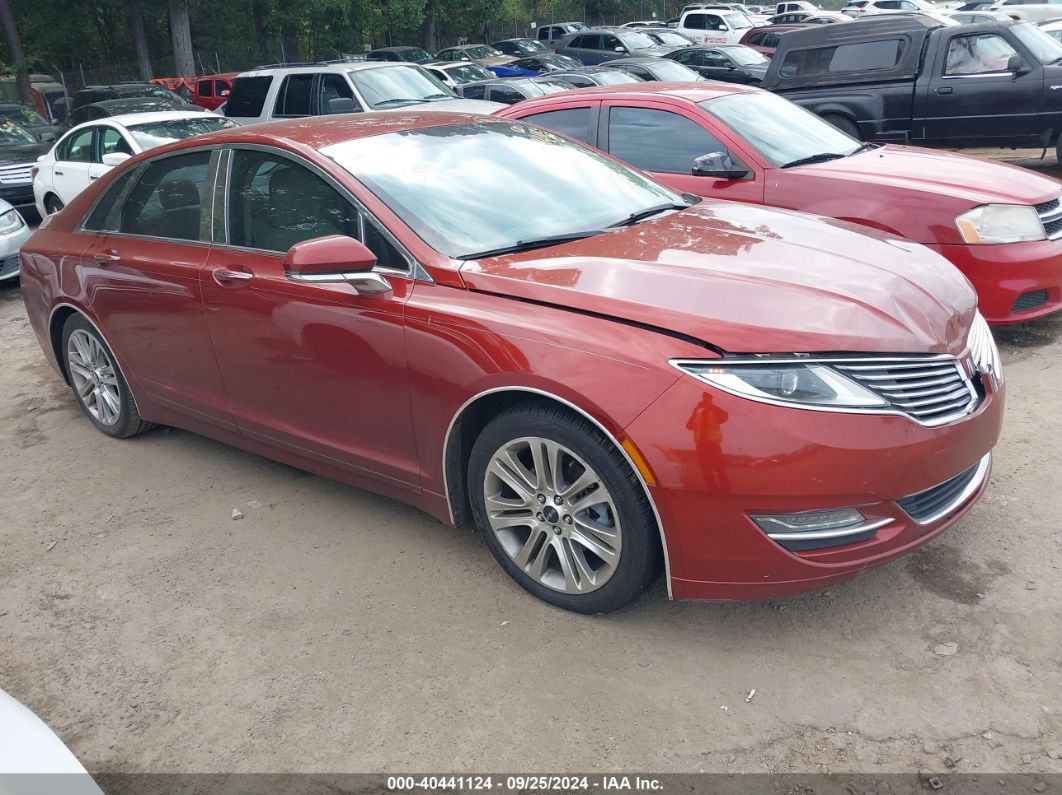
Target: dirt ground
{"type": "Point", "coordinates": [333, 630]}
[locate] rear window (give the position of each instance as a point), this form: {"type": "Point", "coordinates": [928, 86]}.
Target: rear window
{"type": "Point", "coordinates": [248, 96]}
{"type": "Point", "coordinates": [867, 56]}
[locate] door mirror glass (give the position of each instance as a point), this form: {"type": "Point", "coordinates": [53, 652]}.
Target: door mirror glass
{"type": "Point", "coordinates": [332, 255]}
{"type": "Point", "coordinates": [114, 158]}
{"type": "Point", "coordinates": [719, 165]}
{"type": "Point", "coordinates": [342, 105]}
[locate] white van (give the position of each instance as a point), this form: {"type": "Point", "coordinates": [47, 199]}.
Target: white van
{"type": "Point", "coordinates": [702, 26]}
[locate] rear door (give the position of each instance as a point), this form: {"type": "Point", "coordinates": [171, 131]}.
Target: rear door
{"type": "Point", "coordinates": [144, 266]}
{"type": "Point", "coordinates": [971, 96]}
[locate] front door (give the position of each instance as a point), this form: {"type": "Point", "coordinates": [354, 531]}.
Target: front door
{"type": "Point", "coordinates": [313, 368]}
{"type": "Point", "coordinates": [972, 96]}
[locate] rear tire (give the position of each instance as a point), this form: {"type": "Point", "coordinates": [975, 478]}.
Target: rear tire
{"type": "Point", "coordinates": [99, 386]}
{"type": "Point", "coordinates": [577, 530]}
{"type": "Point", "coordinates": [52, 204]}
{"type": "Point", "coordinates": [844, 124]}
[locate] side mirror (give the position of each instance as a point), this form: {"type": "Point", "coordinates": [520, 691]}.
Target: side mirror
{"type": "Point", "coordinates": [115, 158]}
{"type": "Point", "coordinates": [620, 49]}
{"type": "Point", "coordinates": [335, 259]}
{"type": "Point", "coordinates": [224, 92]}
{"type": "Point", "coordinates": [719, 165]}
{"type": "Point", "coordinates": [47, 137]}
{"type": "Point", "coordinates": [1017, 65]}
{"type": "Point", "coordinates": [342, 105]}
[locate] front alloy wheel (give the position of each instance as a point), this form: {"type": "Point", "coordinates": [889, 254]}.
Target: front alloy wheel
{"type": "Point", "coordinates": [561, 509]}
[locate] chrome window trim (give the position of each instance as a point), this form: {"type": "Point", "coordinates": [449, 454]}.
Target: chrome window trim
{"type": "Point", "coordinates": [91, 322]}
{"type": "Point", "coordinates": [973, 406]}
{"type": "Point", "coordinates": [975, 483]}
{"type": "Point", "coordinates": [598, 425]}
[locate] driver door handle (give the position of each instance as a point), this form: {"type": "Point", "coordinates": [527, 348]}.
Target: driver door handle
{"type": "Point", "coordinates": [945, 90]}
{"type": "Point", "coordinates": [227, 278]}
{"type": "Point", "coordinates": [108, 257]}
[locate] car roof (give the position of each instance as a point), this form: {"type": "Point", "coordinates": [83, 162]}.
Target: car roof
{"type": "Point", "coordinates": [692, 92]}
{"type": "Point", "coordinates": [115, 107]}
{"type": "Point", "coordinates": [336, 68]}
{"type": "Point", "coordinates": [318, 132]}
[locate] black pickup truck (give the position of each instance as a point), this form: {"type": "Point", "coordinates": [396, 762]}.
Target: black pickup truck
{"type": "Point", "coordinates": [910, 78]}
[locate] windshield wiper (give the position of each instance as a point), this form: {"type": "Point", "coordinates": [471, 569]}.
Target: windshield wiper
{"type": "Point", "coordinates": [648, 212]}
{"type": "Point", "coordinates": [393, 101]}
{"type": "Point", "coordinates": [436, 97]}
{"type": "Point", "coordinates": [863, 148]}
{"type": "Point", "coordinates": [822, 157]}
{"type": "Point", "coordinates": [532, 243]}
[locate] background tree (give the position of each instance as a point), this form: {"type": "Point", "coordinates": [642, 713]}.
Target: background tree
{"type": "Point", "coordinates": [181, 31]}
{"type": "Point", "coordinates": [14, 47]}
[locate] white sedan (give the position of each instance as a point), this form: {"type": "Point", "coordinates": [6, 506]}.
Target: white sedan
{"type": "Point", "coordinates": [92, 149]}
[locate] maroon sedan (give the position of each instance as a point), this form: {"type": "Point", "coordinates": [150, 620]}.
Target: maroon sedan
{"type": "Point", "coordinates": [999, 224]}
{"type": "Point", "coordinates": [506, 328]}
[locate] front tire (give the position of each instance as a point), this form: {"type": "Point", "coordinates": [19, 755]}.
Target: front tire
{"type": "Point", "coordinates": [561, 510]}
{"type": "Point", "coordinates": [98, 384]}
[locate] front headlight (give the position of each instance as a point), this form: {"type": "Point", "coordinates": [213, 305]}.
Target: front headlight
{"type": "Point", "coordinates": [10, 222]}
{"type": "Point", "coordinates": [1000, 223]}
{"type": "Point", "coordinates": [983, 349]}
{"type": "Point", "coordinates": [805, 384]}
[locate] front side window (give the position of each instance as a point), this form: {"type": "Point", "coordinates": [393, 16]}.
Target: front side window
{"type": "Point", "coordinates": [506, 94]}
{"type": "Point", "coordinates": [275, 203]}
{"type": "Point", "coordinates": [474, 92]}
{"type": "Point", "coordinates": [296, 96]}
{"type": "Point", "coordinates": [205, 88]}
{"type": "Point", "coordinates": [675, 140]}
{"type": "Point", "coordinates": [335, 87]}
{"type": "Point", "coordinates": [975, 55]}
{"type": "Point", "coordinates": [113, 141]}
{"type": "Point", "coordinates": [573, 122]}
{"type": "Point", "coordinates": [167, 200]}
{"type": "Point", "coordinates": [77, 148]}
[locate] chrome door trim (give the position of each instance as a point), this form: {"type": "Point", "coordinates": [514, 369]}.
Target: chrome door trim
{"type": "Point", "coordinates": [598, 425]}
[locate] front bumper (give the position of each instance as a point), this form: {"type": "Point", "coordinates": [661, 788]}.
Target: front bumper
{"type": "Point", "coordinates": [718, 459]}
{"type": "Point", "coordinates": [9, 248]}
{"type": "Point", "coordinates": [1015, 282]}
{"type": "Point", "coordinates": [18, 196]}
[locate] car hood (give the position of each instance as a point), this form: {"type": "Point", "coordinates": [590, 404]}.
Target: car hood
{"type": "Point", "coordinates": [758, 69]}
{"type": "Point", "coordinates": [496, 60]}
{"type": "Point", "coordinates": [659, 50]}
{"type": "Point", "coordinates": [749, 279]}
{"type": "Point", "coordinates": [945, 174]}
{"type": "Point", "coordinates": [22, 153]}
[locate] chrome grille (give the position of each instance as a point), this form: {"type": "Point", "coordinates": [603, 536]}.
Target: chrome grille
{"type": "Point", "coordinates": [16, 174]}
{"type": "Point", "coordinates": [1051, 217]}
{"type": "Point", "coordinates": [932, 390]}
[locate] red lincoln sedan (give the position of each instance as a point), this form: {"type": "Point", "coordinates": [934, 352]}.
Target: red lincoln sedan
{"type": "Point", "coordinates": [999, 224]}
{"type": "Point", "coordinates": [508, 329]}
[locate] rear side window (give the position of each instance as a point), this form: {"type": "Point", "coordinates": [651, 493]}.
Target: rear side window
{"type": "Point", "coordinates": [867, 56]}
{"type": "Point", "coordinates": [574, 122]}
{"type": "Point", "coordinates": [248, 96]}
{"type": "Point", "coordinates": [675, 140]}
{"type": "Point", "coordinates": [167, 201]}
{"type": "Point", "coordinates": [295, 97]}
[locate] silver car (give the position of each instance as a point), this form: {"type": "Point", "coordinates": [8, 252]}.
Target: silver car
{"type": "Point", "coordinates": [598, 45]}
{"type": "Point", "coordinates": [14, 231]}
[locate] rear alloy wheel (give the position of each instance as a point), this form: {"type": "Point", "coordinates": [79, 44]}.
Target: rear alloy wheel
{"type": "Point", "coordinates": [561, 510]}
{"type": "Point", "coordinates": [844, 124]}
{"type": "Point", "coordinates": [97, 382]}
{"type": "Point", "coordinates": [52, 204]}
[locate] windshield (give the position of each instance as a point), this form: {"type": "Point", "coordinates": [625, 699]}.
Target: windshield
{"type": "Point", "coordinates": [476, 187]}
{"type": "Point", "coordinates": [529, 46]}
{"type": "Point", "coordinates": [24, 116]}
{"type": "Point", "coordinates": [157, 133]}
{"type": "Point", "coordinates": [637, 41]}
{"type": "Point", "coordinates": [414, 55]}
{"type": "Point", "coordinates": [482, 52]}
{"type": "Point", "coordinates": [778, 129]}
{"type": "Point", "coordinates": [11, 133]}
{"type": "Point", "coordinates": [1046, 49]}
{"type": "Point", "coordinates": [738, 21]}
{"type": "Point", "coordinates": [467, 72]}
{"type": "Point", "coordinates": [671, 72]}
{"type": "Point", "coordinates": [670, 39]}
{"type": "Point", "coordinates": [745, 56]}
{"type": "Point", "coordinates": [561, 62]}
{"type": "Point", "coordinates": [395, 86]}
